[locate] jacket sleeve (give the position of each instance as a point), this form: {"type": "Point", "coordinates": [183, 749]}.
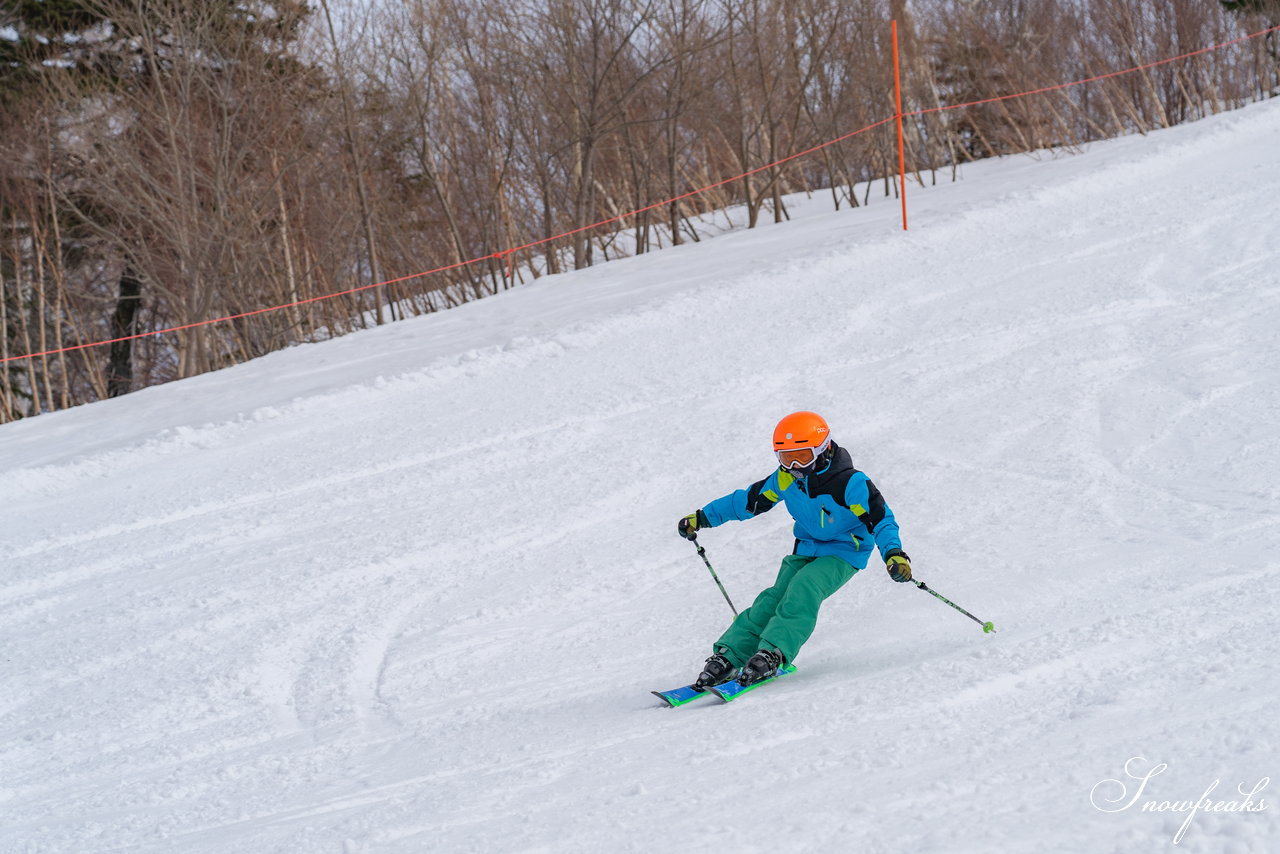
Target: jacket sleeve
{"type": "Point", "coordinates": [759, 497]}
{"type": "Point", "coordinates": [869, 506]}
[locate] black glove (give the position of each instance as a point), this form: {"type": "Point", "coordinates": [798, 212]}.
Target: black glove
{"type": "Point", "coordinates": [689, 525]}
{"type": "Point", "coordinates": [898, 564]}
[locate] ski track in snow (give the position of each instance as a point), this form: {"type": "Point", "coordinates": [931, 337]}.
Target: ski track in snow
{"type": "Point", "coordinates": [408, 590]}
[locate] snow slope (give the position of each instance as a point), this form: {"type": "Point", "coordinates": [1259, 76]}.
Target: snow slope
{"type": "Point", "coordinates": [408, 590]}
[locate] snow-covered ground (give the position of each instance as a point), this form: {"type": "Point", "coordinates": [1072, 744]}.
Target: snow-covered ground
{"type": "Point", "coordinates": [408, 590]}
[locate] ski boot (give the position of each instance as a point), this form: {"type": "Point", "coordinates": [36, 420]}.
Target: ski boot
{"type": "Point", "coordinates": [763, 665]}
{"type": "Point", "coordinates": [716, 671]}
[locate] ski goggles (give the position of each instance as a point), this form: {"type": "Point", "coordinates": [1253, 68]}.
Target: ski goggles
{"type": "Point", "coordinates": [798, 458]}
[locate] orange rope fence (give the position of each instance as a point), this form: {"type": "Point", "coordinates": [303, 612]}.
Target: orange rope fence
{"type": "Point", "coordinates": [505, 255]}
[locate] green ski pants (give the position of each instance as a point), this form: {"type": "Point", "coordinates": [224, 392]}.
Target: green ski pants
{"type": "Point", "coordinates": [783, 616]}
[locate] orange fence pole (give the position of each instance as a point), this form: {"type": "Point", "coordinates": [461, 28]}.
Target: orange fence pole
{"type": "Point", "coordinates": [902, 152]}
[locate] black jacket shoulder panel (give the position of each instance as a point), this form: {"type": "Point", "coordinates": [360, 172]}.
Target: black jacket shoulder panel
{"type": "Point", "coordinates": [835, 480]}
{"type": "Point", "coordinates": [757, 501]}
{"type": "Point", "coordinates": [875, 512]}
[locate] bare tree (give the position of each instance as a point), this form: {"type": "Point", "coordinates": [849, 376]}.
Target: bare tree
{"type": "Point", "coordinates": [229, 158]}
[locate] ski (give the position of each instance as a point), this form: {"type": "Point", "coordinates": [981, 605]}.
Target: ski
{"type": "Point", "coordinates": [679, 696]}
{"type": "Point", "coordinates": [732, 690]}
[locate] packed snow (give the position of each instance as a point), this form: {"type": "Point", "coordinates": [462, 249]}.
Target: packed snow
{"type": "Point", "coordinates": [409, 590]}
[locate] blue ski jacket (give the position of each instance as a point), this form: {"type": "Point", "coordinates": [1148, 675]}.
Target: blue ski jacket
{"type": "Point", "coordinates": [838, 511]}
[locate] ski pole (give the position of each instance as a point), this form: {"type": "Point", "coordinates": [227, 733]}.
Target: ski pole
{"type": "Point", "coordinates": [702, 553]}
{"type": "Point", "coordinates": [986, 627]}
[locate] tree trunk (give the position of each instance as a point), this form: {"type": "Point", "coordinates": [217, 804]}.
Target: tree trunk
{"type": "Point", "coordinates": [120, 364]}
{"type": "Point", "coordinates": [7, 409]}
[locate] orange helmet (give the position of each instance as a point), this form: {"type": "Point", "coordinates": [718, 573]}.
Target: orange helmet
{"type": "Point", "coordinates": [799, 441]}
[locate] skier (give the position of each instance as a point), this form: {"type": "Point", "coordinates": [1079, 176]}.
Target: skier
{"type": "Point", "coordinates": [838, 512]}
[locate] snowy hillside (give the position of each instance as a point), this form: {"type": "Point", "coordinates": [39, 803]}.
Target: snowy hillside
{"type": "Point", "coordinates": [409, 590]}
